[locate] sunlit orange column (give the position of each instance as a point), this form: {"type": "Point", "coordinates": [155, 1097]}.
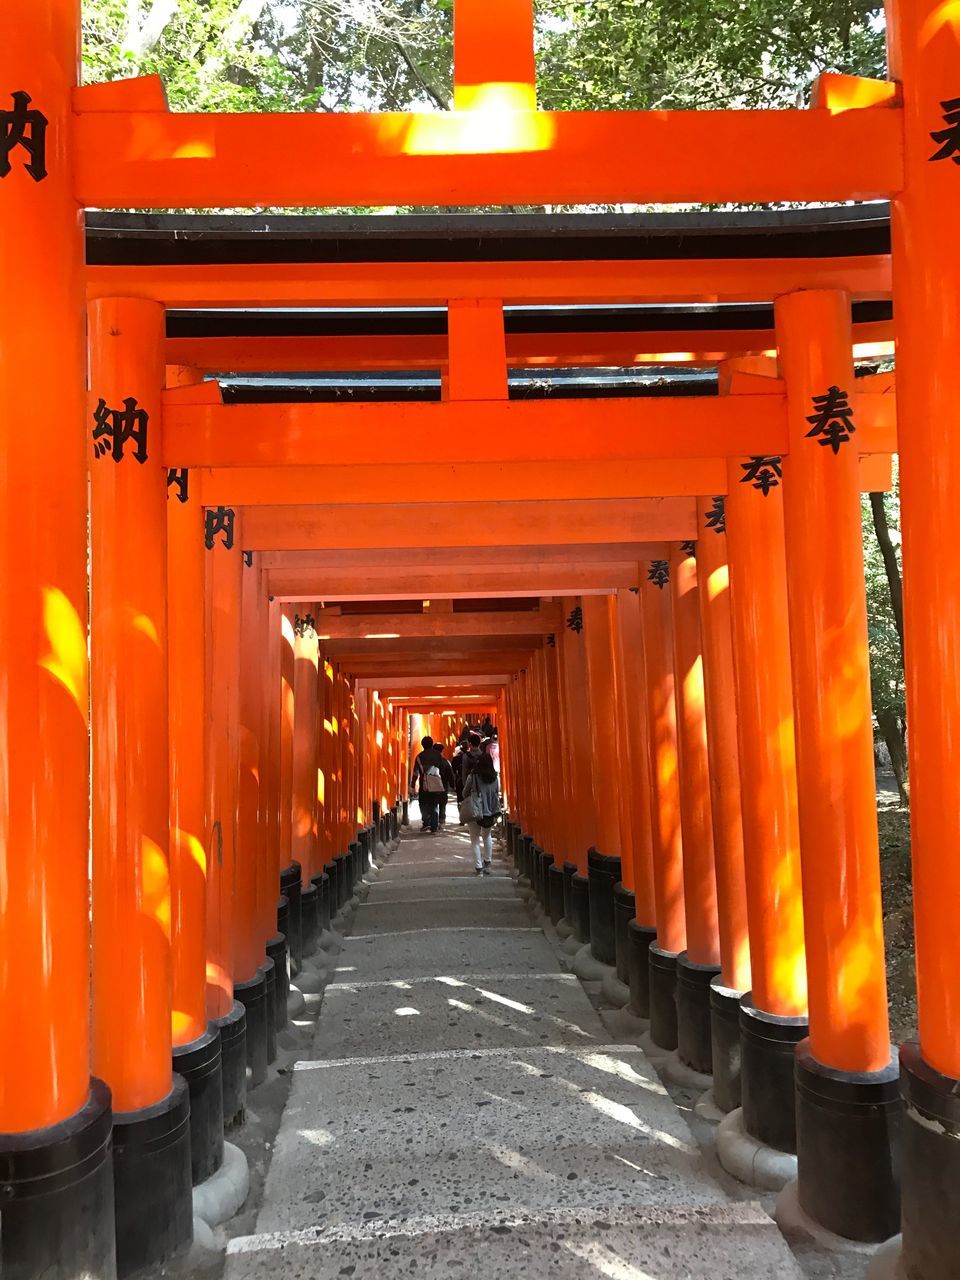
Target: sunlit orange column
{"type": "Point", "coordinates": [671, 938]}
{"type": "Point", "coordinates": [604, 864]}
{"type": "Point", "coordinates": [493, 55]}
{"type": "Point", "coordinates": [700, 963]}
{"type": "Point", "coordinates": [305, 681]}
{"type": "Point", "coordinates": [197, 1043]}
{"type": "Point", "coordinates": [773, 1017]}
{"type": "Point", "coordinates": [187, 699]}
{"type": "Point", "coordinates": [44, 744]}
{"type": "Point", "coordinates": [290, 869]}
{"type": "Point", "coordinates": [130, 853]}
{"type": "Point", "coordinates": [247, 942]}
{"type": "Point", "coordinates": [583, 815]}
{"type": "Point", "coordinates": [924, 44]}
{"type": "Point", "coordinates": [719, 687]}
{"type": "Point", "coordinates": [637, 749]}
{"type": "Point", "coordinates": [843, 911]}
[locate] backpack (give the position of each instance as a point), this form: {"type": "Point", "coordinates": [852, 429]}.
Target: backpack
{"type": "Point", "coordinates": [432, 780]}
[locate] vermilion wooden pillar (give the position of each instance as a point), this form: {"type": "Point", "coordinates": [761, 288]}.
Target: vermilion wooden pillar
{"type": "Point", "coordinates": [248, 945]}
{"type": "Point", "coordinates": [131, 812]}
{"type": "Point", "coordinates": [671, 937]}
{"type": "Point", "coordinates": [583, 815]}
{"type": "Point", "coordinates": [493, 55]}
{"type": "Point", "coordinates": [700, 963]}
{"type": "Point", "coordinates": [719, 686]}
{"type": "Point", "coordinates": [773, 1018]}
{"type": "Point", "coordinates": [924, 43]}
{"type": "Point", "coordinates": [848, 1050]}
{"type": "Point", "coordinates": [713, 581]}
{"type": "Point", "coordinates": [44, 743]}
{"type": "Point", "coordinates": [188, 825]}
{"type": "Point", "coordinates": [637, 750]}
{"type": "Point", "coordinates": [604, 864]}
{"type": "Point", "coordinates": [305, 679]}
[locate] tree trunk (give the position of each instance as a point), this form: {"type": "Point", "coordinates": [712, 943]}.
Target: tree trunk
{"type": "Point", "coordinates": [889, 723]}
{"type": "Point", "coordinates": [882, 530]}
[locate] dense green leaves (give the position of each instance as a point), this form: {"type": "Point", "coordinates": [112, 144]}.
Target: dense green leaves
{"type": "Point", "coordinates": [295, 55]}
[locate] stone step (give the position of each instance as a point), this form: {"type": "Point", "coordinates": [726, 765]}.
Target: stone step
{"type": "Point", "coordinates": [722, 1242]}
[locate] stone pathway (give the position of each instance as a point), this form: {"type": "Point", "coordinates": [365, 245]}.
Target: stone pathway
{"type": "Point", "coordinates": [462, 1105]}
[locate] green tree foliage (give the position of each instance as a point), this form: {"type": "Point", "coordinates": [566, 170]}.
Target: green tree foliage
{"type": "Point", "coordinates": [301, 55]}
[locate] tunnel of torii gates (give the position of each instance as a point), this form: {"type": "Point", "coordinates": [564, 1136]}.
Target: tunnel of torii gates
{"type": "Point", "coordinates": [659, 598]}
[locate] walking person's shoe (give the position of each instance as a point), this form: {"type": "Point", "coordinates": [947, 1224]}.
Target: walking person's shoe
{"type": "Point", "coordinates": [487, 870]}
{"type": "Point", "coordinates": [478, 871]}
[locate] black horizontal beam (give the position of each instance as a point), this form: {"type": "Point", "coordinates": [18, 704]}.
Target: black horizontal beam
{"type": "Point", "coordinates": [115, 238]}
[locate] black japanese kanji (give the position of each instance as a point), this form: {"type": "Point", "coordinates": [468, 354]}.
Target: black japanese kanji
{"type": "Point", "coordinates": [178, 478]}
{"type": "Point", "coordinates": [248, 558]}
{"type": "Point", "coordinates": [301, 625]}
{"type": "Point", "coordinates": [688, 548]}
{"type": "Point", "coordinates": [114, 427]}
{"type": "Point", "coordinates": [575, 620]}
{"type": "Point", "coordinates": [832, 419]}
{"type": "Point", "coordinates": [948, 138]}
{"type": "Point", "coordinates": [716, 517]}
{"type": "Point", "coordinates": [763, 473]}
{"type": "Point", "coordinates": [659, 573]}
{"type": "Point", "coordinates": [24, 127]}
{"type": "Point", "coordinates": [551, 641]}
{"type": "Point", "coordinates": [218, 520]}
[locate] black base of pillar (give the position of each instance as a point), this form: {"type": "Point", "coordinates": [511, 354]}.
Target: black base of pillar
{"type": "Point", "coordinates": [153, 1194]}
{"type": "Point", "coordinates": [56, 1193]}
{"type": "Point", "coordinates": [555, 892]}
{"type": "Point", "coordinates": [333, 887]}
{"type": "Point", "coordinates": [322, 882]}
{"type": "Point", "coordinates": [283, 916]}
{"type": "Point", "coordinates": [931, 1169]}
{"type": "Point", "coordinates": [767, 1044]}
{"type": "Point", "coordinates": [581, 908]}
{"type": "Point", "coordinates": [253, 996]}
{"type": "Point", "coordinates": [405, 819]}
{"type": "Point", "coordinates": [543, 883]}
{"type": "Point", "coordinates": [277, 952]}
{"type": "Point", "coordinates": [267, 971]}
{"type": "Point", "coordinates": [725, 1044]}
{"type": "Point", "coordinates": [603, 872]}
{"type": "Point", "coordinates": [309, 921]}
{"type": "Point", "coordinates": [624, 910]}
{"type": "Point", "coordinates": [342, 862]}
{"type": "Point", "coordinates": [663, 996]}
{"type": "Point", "coordinates": [526, 857]}
{"type": "Point", "coordinates": [569, 871]}
{"type": "Point", "coordinates": [536, 866]}
{"type": "Point", "coordinates": [233, 1063]}
{"type": "Point", "coordinates": [639, 939]}
{"type": "Point", "coordinates": [199, 1064]}
{"type": "Point", "coordinates": [290, 886]}
{"type": "Point", "coordinates": [848, 1148]}
{"type": "Point", "coordinates": [694, 1033]}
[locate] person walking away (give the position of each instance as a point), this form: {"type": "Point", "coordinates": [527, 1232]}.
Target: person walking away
{"type": "Point", "coordinates": [429, 780]}
{"type": "Point", "coordinates": [492, 748]}
{"type": "Point", "coordinates": [443, 794]}
{"type": "Point", "coordinates": [481, 805]}
{"type": "Point", "coordinates": [468, 759]}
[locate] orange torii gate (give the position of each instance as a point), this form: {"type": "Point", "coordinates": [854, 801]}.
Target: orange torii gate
{"type": "Point", "coordinates": [63, 147]}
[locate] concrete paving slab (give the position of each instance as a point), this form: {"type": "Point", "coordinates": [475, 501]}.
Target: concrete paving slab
{"type": "Point", "coordinates": [736, 1242]}
{"type": "Point", "coordinates": [444, 889]}
{"type": "Point", "coordinates": [407, 955]}
{"type": "Point", "coordinates": [452, 1130]}
{"type": "Point", "coordinates": [376, 916]}
{"type": "Point", "coordinates": [449, 1012]}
